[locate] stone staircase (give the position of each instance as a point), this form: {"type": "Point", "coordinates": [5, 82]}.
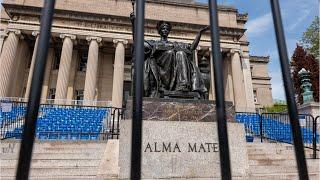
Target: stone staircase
{"type": "Point", "coordinates": [277, 161]}
{"type": "Point", "coordinates": [84, 160]}
{"type": "Point", "coordinates": [54, 160]}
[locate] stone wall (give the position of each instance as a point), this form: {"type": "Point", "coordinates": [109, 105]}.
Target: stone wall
{"type": "Point", "coordinates": [197, 14]}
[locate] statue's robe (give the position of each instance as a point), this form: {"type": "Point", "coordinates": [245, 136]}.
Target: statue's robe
{"type": "Point", "coordinates": [169, 66]}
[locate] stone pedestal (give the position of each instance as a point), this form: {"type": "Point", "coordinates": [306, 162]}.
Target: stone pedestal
{"type": "Point", "coordinates": [312, 108]}
{"type": "Point", "coordinates": [180, 110]}
{"type": "Point", "coordinates": [180, 140]}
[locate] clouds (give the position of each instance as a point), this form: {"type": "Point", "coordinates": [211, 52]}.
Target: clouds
{"type": "Point", "coordinates": [304, 14]}
{"type": "Point", "coordinates": [259, 25]}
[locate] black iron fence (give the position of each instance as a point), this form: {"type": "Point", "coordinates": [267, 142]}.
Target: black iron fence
{"type": "Point", "coordinates": [277, 127]}
{"type": "Point", "coordinates": [117, 114]}
{"type": "Point", "coordinates": [12, 116]}
{"type": "Point", "coordinates": [251, 122]}
{"type": "Point", "coordinates": [61, 122]}
{"type": "Point", "coordinates": [29, 131]}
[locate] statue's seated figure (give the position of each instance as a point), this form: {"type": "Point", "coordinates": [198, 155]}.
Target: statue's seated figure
{"type": "Point", "coordinates": [169, 66]}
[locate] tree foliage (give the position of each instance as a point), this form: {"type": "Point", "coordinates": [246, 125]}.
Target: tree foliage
{"type": "Point", "coordinates": [276, 108]}
{"type": "Point", "coordinates": [310, 38]}
{"type": "Point", "coordinates": [301, 59]}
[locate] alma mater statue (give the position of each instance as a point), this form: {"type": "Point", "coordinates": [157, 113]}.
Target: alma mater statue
{"type": "Point", "coordinates": [169, 68]}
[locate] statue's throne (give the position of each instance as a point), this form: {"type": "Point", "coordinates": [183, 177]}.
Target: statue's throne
{"type": "Point", "coordinates": [181, 95]}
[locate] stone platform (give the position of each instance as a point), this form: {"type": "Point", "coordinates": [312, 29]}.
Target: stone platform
{"type": "Point", "coordinates": [180, 110]}
{"type": "Point", "coordinates": [180, 140]}
{"type": "Point", "coordinates": [173, 149]}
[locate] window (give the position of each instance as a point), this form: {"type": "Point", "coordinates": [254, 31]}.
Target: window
{"type": "Point", "coordinates": [52, 93]}
{"type": "Point", "coordinates": [126, 90]}
{"type": "Point", "coordinates": [251, 70]}
{"type": "Point", "coordinates": [24, 91]}
{"type": "Point", "coordinates": [82, 66]}
{"type": "Point", "coordinates": [31, 49]}
{"type": "Point", "coordinates": [79, 95]}
{"type": "Point", "coordinates": [57, 57]}
{"type": "Point", "coordinates": [255, 96]}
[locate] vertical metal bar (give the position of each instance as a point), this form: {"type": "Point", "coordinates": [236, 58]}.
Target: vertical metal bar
{"type": "Point", "coordinates": [292, 107]}
{"type": "Point", "coordinates": [314, 137]}
{"type": "Point", "coordinates": [113, 119]}
{"type": "Point", "coordinates": [118, 124]}
{"type": "Point", "coordinates": [261, 127]}
{"type": "Point", "coordinates": [220, 102]}
{"type": "Point", "coordinates": [138, 92]}
{"type": "Point", "coordinates": [35, 92]}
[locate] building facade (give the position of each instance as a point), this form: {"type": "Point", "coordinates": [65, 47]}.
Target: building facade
{"type": "Point", "coordinates": [90, 49]}
{"type": "Point", "coordinates": [261, 81]}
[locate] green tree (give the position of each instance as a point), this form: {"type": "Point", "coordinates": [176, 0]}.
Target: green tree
{"type": "Point", "coordinates": [276, 108]}
{"type": "Point", "coordinates": [310, 38]}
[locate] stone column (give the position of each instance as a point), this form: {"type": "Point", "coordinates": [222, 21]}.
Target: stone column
{"type": "Point", "coordinates": [227, 81]}
{"type": "Point", "coordinates": [34, 33]}
{"type": "Point", "coordinates": [47, 73]}
{"type": "Point", "coordinates": [71, 90]}
{"type": "Point", "coordinates": [248, 84]}
{"type": "Point", "coordinates": [64, 67]}
{"type": "Point", "coordinates": [19, 73]}
{"type": "Point", "coordinates": [7, 61]}
{"type": "Point", "coordinates": [92, 70]}
{"type": "Point", "coordinates": [238, 83]}
{"type": "Point", "coordinates": [118, 73]}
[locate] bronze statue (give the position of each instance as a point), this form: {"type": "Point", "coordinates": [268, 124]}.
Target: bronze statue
{"type": "Point", "coordinates": [169, 68]}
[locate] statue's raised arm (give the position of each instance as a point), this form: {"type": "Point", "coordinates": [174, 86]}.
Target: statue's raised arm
{"type": "Point", "coordinates": [198, 37]}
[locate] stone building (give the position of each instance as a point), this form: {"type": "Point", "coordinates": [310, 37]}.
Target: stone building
{"type": "Point", "coordinates": [261, 81]}
{"type": "Point", "coordinates": [90, 49]}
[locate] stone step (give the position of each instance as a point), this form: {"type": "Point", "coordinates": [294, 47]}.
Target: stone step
{"type": "Point", "coordinates": [286, 176]}
{"type": "Point", "coordinates": [51, 178]}
{"type": "Point", "coordinates": [275, 149]}
{"type": "Point", "coordinates": [270, 156]}
{"type": "Point", "coordinates": [88, 155]}
{"type": "Point", "coordinates": [283, 162]}
{"type": "Point", "coordinates": [58, 142]}
{"type": "Point", "coordinates": [53, 172]}
{"type": "Point", "coordinates": [37, 163]}
{"type": "Point", "coordinates": [275, 156]}
{"type": "Point", "coordinates": [256, 150]}
{"type": "Point", "coordinates": [281, 176]}
{"type": "Point", "coordinates": [268, 144]}
{"type": "Point", "coordinates": [61, 151]}
{"type": "Point", "coordinates": [56, 147]}
{"type": "Point", "coordinates": [278, 169]}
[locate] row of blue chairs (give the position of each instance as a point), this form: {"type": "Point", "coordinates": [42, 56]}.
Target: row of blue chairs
{"type": "Point", "coordinates": [56, 123]}
{"type": "Point", "coordinates": [273, 129]}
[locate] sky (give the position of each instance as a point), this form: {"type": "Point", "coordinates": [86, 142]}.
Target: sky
{"type": "Point", "coordinates": [297, 15]}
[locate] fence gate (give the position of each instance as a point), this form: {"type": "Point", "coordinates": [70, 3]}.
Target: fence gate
{"type": "Point", "coordinates": [37, 81]}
